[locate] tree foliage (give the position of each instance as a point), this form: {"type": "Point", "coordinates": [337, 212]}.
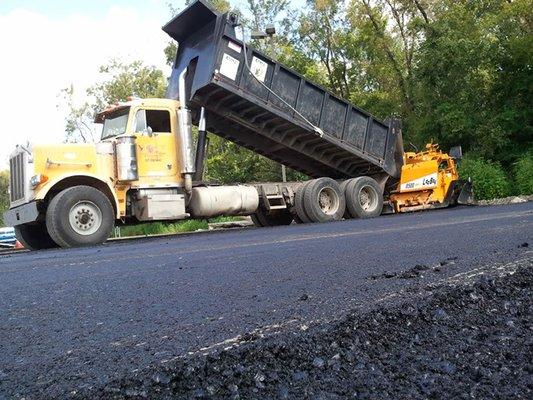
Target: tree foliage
{"type": "Point", "coordinates": [474, 78]}
{"type": "Point", "coordinates": [118, 81]}
{"type": "Point", "coordinates": [456, 71]}
{"type": "Point", "coordinates": [121, 80]}
{"type": "Point", "coordinates": [4, 194]}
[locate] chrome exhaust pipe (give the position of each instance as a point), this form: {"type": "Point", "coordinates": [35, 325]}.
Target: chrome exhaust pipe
{"type": "Point", "coordinates": [185, 136]}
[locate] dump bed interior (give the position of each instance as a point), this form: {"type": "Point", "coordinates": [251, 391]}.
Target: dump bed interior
{"type": "Point", "coordinates": [311, 130]}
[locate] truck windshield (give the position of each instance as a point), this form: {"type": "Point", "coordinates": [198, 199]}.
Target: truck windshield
{"type": "Point", "coordinates": [115, 123]}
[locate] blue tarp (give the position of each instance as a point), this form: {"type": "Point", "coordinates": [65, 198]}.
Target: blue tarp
{"type": "Point", "coordinates": [7, 237]}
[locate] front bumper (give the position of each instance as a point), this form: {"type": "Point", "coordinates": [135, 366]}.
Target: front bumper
{"type": "Point", "coordinates": [22, 214]}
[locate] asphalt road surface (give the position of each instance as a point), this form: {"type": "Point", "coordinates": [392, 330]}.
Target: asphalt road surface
{"type": "Point", "coordinates": [79, 318]}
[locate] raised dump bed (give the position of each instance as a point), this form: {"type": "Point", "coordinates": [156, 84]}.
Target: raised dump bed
{"type": "Point", "coordinates": [274, 112]}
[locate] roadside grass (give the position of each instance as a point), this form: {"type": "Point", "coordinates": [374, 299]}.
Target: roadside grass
{"type": "Point", "coordinates": [164, 228]}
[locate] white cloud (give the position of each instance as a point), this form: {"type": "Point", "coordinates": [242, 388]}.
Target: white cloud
{"type": "Point", "coordinates": [40, 55]}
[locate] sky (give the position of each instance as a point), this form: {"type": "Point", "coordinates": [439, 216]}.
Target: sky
{"type": "Point", "coordinates": [48, 45]}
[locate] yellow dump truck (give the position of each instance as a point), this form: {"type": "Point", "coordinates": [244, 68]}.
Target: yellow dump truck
{"type": "Point", "coordinates": [147, 167]}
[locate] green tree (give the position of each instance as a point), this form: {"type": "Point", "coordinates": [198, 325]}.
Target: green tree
{"type": "Point", "coordinates": [322, 34]}
{"type": "Point", "coordinates": [118, 81]}
{"type": "Point", "coordinates": [4, 194]}
{"type": "Point", "coordinates": [475, 80]}
{"type": "Point", "coordinates": [228, 162]}
{"type": "Point", "coordinates": [363, 51]}
{"type": "Point", "coordinates": [78, 121]}
{"type": "Point", "coordinates": [121, 80]}
{"type": "Point", "coordinates": [390, 32]}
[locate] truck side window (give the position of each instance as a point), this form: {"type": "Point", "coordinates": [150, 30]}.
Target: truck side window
{"type": "Point", "coordinates": [158, 120]}
{"type": "Point", "coordinates": [140, 121]}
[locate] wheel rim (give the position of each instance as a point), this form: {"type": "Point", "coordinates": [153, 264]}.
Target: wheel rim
{"type": "Point", "coordinates": [368, 198]}
{"type": "Point", "coordinates": [328, 201]}
{"type": "Point", "coordinates": [85, 218]}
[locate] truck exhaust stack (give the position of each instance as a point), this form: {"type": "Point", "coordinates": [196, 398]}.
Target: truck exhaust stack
{"type": "Point", "coordinates": [185, 133]}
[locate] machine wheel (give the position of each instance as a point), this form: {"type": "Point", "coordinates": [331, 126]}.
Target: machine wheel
{"type": "Point", "coordinates": [364, 198]}
{"type": "Point", "coordinates": [275, 218]}
{"type": "Point", "coordinates": [299, 206]}
{"type": "Point", "coordinates": [80, 216]}
{"type": "Point", "coordinates": [324, 200]}
{"type": "Point", "coordinates": [34, 236]}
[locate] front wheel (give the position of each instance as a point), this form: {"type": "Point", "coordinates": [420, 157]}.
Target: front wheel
{"type": "Point", "coordinates": [34, 236]}
{"type": "Point", "coordinates": [80, 216]}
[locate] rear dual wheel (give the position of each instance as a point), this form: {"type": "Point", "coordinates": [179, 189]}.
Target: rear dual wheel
{"type": "Point", "coordinates": [320, 200]}
{"type": "Point", "coordinates": [364, 198]}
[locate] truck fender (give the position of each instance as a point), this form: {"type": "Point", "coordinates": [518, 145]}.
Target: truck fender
{"type": "Point", "coordinates": [63, 182]}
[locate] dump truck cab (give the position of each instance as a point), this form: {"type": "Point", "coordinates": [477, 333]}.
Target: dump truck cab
{"type": "Point", "coordinates": [141, 170]}
{"type": "Point", "coordinates": [139, 152]}
{"type": "Point", "coordinates": [153, 123]}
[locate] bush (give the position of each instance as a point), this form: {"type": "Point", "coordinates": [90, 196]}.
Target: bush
{"type": "Point", "coordinates": [489, 179]}
{"type": "Point", "coordinates": [523, 174]}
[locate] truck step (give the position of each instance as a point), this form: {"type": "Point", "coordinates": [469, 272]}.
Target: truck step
{"type": "Point", "coordinates": [275, 202]}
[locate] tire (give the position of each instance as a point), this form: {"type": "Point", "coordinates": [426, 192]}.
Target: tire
{"type": "Point", "coordinates": [324, 200]}
{"type": "Point", "coordinates": [80, 216]}
{"type": "Point", "coordinates": [343, 186]}
{"type": "Point", "coordinates": [34, 236]}
{"type": "Point", "coordinates": [297, 219]}
{"type": "Point", "coordinates": [364, 198]}
{"type": "Point", "coordinates": [256, 221]}
{"type": "Point", "coordinates": [275, 218]}
{"type": "Point", "coordinates": [299, 206]}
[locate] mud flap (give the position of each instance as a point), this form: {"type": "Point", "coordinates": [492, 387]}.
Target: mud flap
{"type": "Point", "coordinates": [466, 196]}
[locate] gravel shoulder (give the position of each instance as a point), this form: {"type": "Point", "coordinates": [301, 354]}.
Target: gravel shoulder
{"type": "Point", "coordinates": [469, 337]}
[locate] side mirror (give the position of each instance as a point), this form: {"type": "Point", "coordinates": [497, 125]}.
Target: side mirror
{"type": "Point", "coordinates": [149, 131]}
{"type": "Point", "coordinates": [456, 152]}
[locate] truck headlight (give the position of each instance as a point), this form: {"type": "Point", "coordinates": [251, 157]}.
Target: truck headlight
{"type": "Point", "coordinates": [37, 180]}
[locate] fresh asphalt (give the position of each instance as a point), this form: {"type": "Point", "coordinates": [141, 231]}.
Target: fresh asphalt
{"type": "Point", "coordinates": [78, 318]}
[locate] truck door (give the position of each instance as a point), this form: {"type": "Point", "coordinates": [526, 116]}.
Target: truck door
{"type": "Point", "coordinates": [156, 147]}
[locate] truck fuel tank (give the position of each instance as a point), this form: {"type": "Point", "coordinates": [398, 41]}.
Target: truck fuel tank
{"type": "Point", "coordinates": [212, 201]}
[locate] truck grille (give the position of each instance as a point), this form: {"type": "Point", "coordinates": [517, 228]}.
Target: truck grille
{"type": "Point", "coordinates": [17, 181]}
